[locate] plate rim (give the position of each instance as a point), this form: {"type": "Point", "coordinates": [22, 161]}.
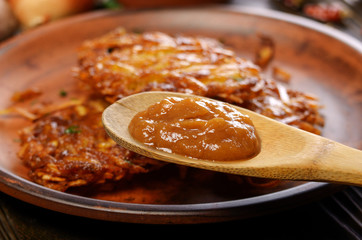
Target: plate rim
{"type": "Point", "coordinates": [17, 183]}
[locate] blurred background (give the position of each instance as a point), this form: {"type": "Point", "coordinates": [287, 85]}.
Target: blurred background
{"type": "Point", "coordinates": [22, 15]}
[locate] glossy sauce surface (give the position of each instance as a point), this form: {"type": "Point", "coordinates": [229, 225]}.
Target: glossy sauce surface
{"type": "Point", "coordinates": [197, 128]}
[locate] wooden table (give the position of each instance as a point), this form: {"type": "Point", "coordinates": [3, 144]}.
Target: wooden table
{"type": "Point", "coordinates": [20, 220]}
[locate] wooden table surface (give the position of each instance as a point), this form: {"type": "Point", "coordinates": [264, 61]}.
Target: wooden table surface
{"type": "Point", "coordinates": [19, 220]}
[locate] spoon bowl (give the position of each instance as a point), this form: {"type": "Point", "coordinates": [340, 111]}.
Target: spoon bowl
{"type": "Point", "coordinates": [286, 152]}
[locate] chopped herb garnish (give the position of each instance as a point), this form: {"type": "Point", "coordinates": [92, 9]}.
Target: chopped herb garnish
{"type": "Point", "coordinates": [111, 4]}
{"type": "Point", "coordinates": [72, 130]}
{"type": "Point", "coordinates": [239, 79]}
{"type": "Point", "coordinates": [63, 93]}
{"type": "Point", "coordinates": [128, 161]}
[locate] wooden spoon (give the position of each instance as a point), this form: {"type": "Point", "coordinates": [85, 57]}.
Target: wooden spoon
{"type": "Point", "coordinates": [286, 152]}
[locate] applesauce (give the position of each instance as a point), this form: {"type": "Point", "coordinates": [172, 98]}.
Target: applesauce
{"type": "Point", "coordinates": [198, 128]}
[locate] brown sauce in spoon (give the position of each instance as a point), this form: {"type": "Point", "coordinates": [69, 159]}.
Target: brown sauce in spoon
{"type": "Point", "coordinates": [197, 128]}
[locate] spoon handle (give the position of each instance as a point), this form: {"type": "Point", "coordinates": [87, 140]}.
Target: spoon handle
{"type": "Point", "coordinates": [300, 155]}
{"type": "Point", "coordinates": [287, 152]}
{"type": "Point", "coordinates": [321, 161]}
{"type": "Point", "coordinates": [338, 163]}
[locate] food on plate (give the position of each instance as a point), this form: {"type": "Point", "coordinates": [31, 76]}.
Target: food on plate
{"type": "Point", "coordinates": [69, 148]}
{"type": "Point", "coordinates": [197, 128]}
{"type": "Point", "coordinates": [65, 145]}
{"type": "Point", "coordinates": [121, 63]}
{"type": "Point", "coordinates": [281, 75]}
{"type": "Point", "coordinates": [265, 52]}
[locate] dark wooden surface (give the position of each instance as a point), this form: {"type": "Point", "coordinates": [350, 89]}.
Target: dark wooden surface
{"type": "Point", "coordinates": [20, 220]}
{"type": "Point", "coordinates": [318, 220]}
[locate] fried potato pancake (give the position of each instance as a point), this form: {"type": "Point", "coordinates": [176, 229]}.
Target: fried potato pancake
{"type": "Point", "coordinates": [69, 147]}
{"type": "Point", "coordinates": [122, 63]}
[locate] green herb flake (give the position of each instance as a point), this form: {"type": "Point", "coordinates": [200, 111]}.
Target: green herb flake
{"type": "Point", "coordinates": [63, 93]}
{"type": "Point", "coordinates": [111, 4]}
{"type": "Point", "coordinates": [239, 79]}
{"type": "Point", "coordinates": [72, 130]}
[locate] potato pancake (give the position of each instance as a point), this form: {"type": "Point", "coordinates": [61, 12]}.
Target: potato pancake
{"type": "Point", "coordinates": [68, 147]}
{"type": "Point", "coordinates": [122, 63]}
